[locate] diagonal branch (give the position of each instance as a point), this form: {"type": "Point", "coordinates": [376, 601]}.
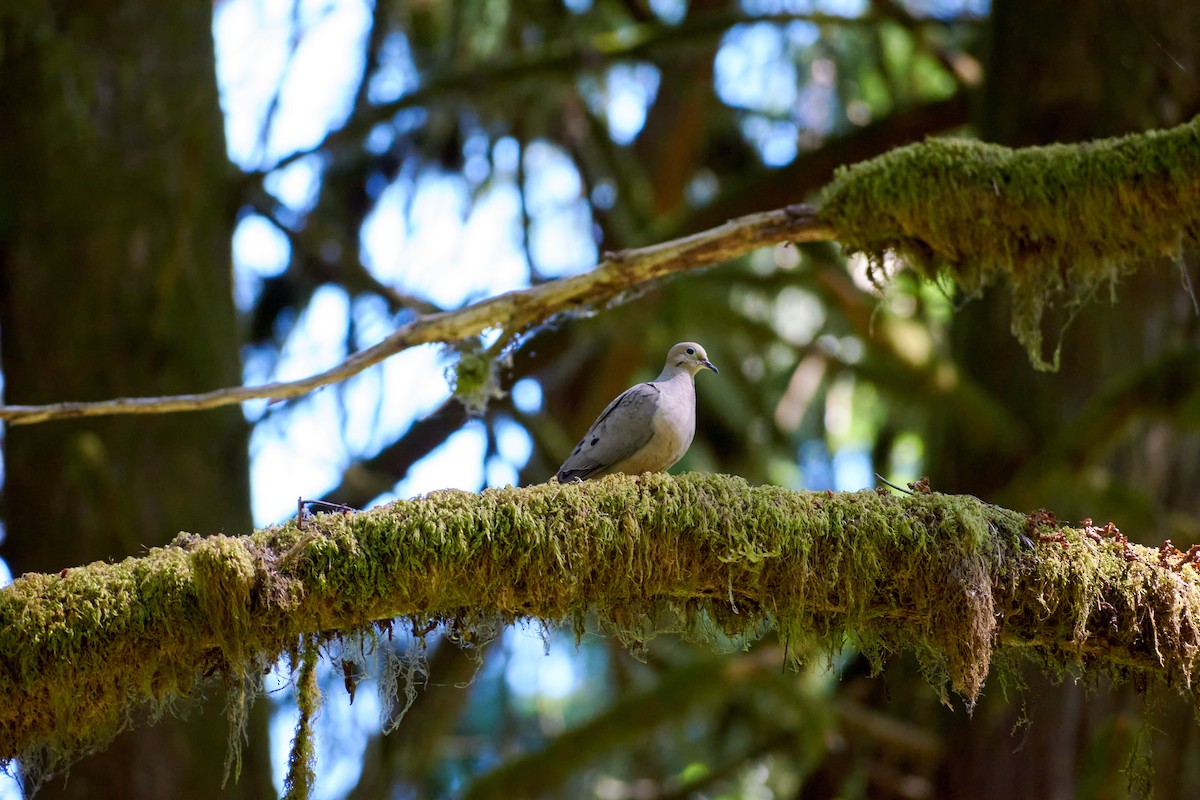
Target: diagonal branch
{"type": "Point", "coordinates": [1057, 223]}
{"type": "Point", "coordinates": [514, 311]}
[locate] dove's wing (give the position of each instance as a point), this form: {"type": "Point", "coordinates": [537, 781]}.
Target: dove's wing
{"type": "Point", "coordinates": [620, 432]}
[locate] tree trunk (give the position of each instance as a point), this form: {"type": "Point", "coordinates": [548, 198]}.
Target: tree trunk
{"type": "Point", "coordinates": [115, 225]}
{"type": "Point", "coordinates": [1064, 72]}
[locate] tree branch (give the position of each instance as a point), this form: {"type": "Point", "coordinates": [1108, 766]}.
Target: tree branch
{"type": "Point", "coordinates": [941, 575]}
{"type": "Point", "coordinates": [1057, 223]}
{"type": "Point", "coordinates": [514, 311]}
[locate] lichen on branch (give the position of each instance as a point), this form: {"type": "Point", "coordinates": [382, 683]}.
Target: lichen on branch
{"type": "Point", "coordinates": [944, 576]}
{"type": "Point", "coordinates": [1057, 223]}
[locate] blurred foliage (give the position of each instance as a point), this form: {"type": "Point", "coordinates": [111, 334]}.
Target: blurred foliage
{"type": "Point", "coordinates": [618, 123]}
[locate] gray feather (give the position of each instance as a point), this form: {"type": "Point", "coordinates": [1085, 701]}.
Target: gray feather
{"type": "Point", "coordinates": [649, 427]}
{"type": "Point", "coordinates": [621, 430]}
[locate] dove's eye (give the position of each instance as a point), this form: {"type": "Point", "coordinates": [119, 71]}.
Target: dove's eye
{"type": "Point", "coordinates": [691, 351]}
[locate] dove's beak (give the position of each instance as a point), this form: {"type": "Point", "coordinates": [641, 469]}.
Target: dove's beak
{"type": "Point", "coordinates": [710, 366]}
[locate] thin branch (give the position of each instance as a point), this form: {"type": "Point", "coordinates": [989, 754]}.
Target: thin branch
{"type": "Point", "coordinates": [378, 35]}
{"type": "Point", "coordinates": [1114, 204]}
{"type": "Point", "coordinates": [514, 311]}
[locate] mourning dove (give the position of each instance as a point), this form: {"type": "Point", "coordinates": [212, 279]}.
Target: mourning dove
{"type": "Point", "coordinates": [648, 427]}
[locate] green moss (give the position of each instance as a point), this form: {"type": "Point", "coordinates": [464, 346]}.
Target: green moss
{"type": "Point", "coordinates": [473, 378]}
{"type": "Point", "coordinates": [303, 758]}
{"type": "Point", "coordinates": [708, 556]}
{"type": "Point", "coordinates": [224, 576]}
{"type": "Point", "coordinates": [1057, 223]}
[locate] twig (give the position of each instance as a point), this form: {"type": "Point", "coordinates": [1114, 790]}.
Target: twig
{"type": "Point", "coordinates": [894, 486]}
{"type": "Point", "coordinates": [513, 311]}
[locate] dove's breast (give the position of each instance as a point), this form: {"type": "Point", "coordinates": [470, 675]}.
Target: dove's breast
{"type": "Point", "coordinates": [673, 426]}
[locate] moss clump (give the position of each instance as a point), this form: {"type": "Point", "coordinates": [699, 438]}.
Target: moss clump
{"type": "Point", "coordinates": [1057, 223]}
{"type": "Point", "coordinates": [473, 378]}
{"type": "Point", "coordinates": [708, 555]}
{"type": "Point", "coordinates": [224, 577]}
{"type": "Point", "coordinates": [1097, 598]}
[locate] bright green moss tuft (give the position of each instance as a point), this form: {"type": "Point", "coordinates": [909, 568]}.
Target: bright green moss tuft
{"type": "Point", "coordinates": [473, 379]}
{"type": "Point", "coordinates": [301, 774]}
{"type": "Point", "coordinates": [1057, 223]}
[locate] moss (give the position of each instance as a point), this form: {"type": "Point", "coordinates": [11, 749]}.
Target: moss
{"type": "Point", "coordinates": [1095, 598]}
{"type": "Point", "coordinates": [303, 758]}
{"type": "Point", "coordinates": [224, 576]}
{"type": "Point", "coordinates": [473, 378]}
{"type": "Point", "coordinates": [706, 555]}
{"type": "Point", "coordinates": [1057, 223]}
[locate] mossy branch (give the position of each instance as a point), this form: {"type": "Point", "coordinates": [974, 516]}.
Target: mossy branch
{"type": "Point", "coordinates": [1057, 223]}
{"type": "Point", "coordinates": [944, 576]}
{"type": "Point", "coordinates": [512, 312]}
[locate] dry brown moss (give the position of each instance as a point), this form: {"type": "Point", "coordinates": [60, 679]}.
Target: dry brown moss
{"type": "Point", "coordinates": [940, 575]}
{"type": "Point", "coordinates": [1057, 223]}
{"type": "Point", "coordinates": [1096, 599]}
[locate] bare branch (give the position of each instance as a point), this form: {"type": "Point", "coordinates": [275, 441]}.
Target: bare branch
{"type": "Point", "coordinates": [512, 311]}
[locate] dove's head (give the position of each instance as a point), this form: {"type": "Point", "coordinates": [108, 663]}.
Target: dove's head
{"type": "Point", "coordinates": [689, 357]}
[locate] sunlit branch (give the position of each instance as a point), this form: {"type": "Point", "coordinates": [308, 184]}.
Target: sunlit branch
{"type": "Point", "coordinates": [513, 311]}
{"type": "Point", "coordinates": [1055, 223]}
